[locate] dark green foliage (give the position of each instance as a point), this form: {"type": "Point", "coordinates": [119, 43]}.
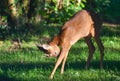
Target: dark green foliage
{"type": "Point", "coordinates": [108, 9]}
{"type": "Point", "coordinates": [111, 13]}
{"type": "Point", "coordinates": [52, 14]}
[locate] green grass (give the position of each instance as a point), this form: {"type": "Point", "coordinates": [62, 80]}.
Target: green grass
{"type": "Point", "coordinates": [30, 64]}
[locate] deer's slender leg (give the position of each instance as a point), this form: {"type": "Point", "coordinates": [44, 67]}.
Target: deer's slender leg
{"type": "Point", "coordinates": [64, 60]}
{"type": "Point", "coordinates": [101, 47]}
{"type": "Point", "coordinates": [63, 53]}
{"type": "Point", "coordinates": [91, 50]}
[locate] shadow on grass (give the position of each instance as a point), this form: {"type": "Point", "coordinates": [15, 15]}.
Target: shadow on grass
{"type": "Point", "coordinates": [110, 31]}
{"type": "Point", "coordinates": [5, 77]}
{"type": "Point", "coordinates": [17, 67]}
{"type": "Point", "coordinates": [108, 64]}
{"type": "Point", "coordinates": [78, 65]}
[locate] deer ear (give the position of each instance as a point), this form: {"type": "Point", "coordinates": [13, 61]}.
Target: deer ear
{"type": "Point", "coordinates": [45, 46]}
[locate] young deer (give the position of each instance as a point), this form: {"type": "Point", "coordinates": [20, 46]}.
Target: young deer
{"type": "Point", "coordinates": [83, 24]}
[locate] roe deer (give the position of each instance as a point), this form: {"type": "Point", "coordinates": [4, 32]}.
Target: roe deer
{"type": "Point", "coordinates": [83, 24]}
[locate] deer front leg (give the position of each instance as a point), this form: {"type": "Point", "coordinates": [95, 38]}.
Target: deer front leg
{"type": "Point", "coordinates": [60, 58]}
{"type": "Point", "coordinates": [64, 60]}
{"type": "Point", "coordinates": [63, 64]}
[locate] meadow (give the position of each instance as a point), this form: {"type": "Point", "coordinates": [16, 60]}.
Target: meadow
{"type": "Point", "coordinates": [30, 64]}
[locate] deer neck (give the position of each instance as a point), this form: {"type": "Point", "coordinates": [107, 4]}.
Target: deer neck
{"type": "Point", "coordinates": [55, 41]}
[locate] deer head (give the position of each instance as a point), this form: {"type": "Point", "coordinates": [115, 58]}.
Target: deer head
{"type": "Point", "coordinates": [50, 50]}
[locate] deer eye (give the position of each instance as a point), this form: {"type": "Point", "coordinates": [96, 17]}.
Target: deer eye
{"type": "Point", "coordinates": [55, 53]}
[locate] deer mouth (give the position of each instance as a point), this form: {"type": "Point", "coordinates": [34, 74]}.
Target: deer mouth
{"type": "Point", "coordinates": [51, 55]}
{"type": "Point", "coordinates": [47, 55]}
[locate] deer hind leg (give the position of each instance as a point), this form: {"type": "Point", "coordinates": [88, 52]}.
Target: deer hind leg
{"type": "Point", "coordinates": [101, 47]}
{"type": "Point", "coordinates": [91, 50]}
{"type": "Point", "coordinates": [63, 55]}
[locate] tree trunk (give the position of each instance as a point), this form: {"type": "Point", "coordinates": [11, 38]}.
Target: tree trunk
{"type": "Point", "coordinates": [35, 7]}
{"type": "Point", "coordinates": [26, 4]}
{"type": "Point", "coordinates": [13, 12]}
{"type": "Point", "coordinates": [59, 4]}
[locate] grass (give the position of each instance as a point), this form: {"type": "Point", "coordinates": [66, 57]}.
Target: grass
{"type": "Point", "coordinates": [30, 64]}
